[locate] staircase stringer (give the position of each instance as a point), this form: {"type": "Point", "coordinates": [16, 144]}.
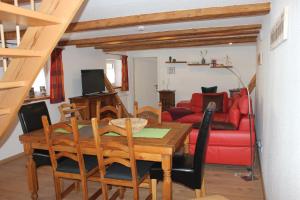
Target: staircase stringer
{"type": "Point", "coordinates": [41, 38]}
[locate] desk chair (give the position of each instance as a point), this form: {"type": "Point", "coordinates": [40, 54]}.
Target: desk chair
{"type": "Point", "coordinates": [187, 169]}
{"type": "Point", "coordinates": [120, 168]}
{"type": "Point", "coordinates": [30, 116]}
{"type": "Point", "coordinates": [153, 115]}
{"type": "Point", "coordinates": [75, 165]}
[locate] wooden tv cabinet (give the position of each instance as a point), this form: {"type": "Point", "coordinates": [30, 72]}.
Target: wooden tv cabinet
{"type": "Point", "coordinates": [90, 101]}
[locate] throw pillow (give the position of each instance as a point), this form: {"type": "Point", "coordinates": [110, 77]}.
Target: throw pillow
{"type": "Point", "coordinates": [218, 99]}
{"type": "Point", "coordinates": [177, 113]}
{"type": "Point", "coordinates": [209, 89]}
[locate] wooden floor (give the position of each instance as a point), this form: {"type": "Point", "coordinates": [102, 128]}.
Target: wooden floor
{"type": "Point", "coordinates": [223, 180]}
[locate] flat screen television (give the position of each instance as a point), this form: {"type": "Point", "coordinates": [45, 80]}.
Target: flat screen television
{"type": "Point", "coordinates": [92, 81]}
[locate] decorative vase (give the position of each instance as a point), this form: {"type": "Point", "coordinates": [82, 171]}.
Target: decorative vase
{"type": "Point", "coordinates": [31, 93]}
{"type": "Point", "coordinates": [170, 58]}
{"type": "Point", "coordinates": [203, 61]}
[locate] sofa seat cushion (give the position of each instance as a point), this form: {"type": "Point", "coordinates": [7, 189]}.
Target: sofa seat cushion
{"type": "Point", "coordinates": [220, 117]}
{"type": "Point", "coordinates": [166, 116]}
{"type": "Point", "coordinates": [192, 118]}
{"type": "Point", "coordinates": [234, 138]}
{"type": "Point", "coordinates": [177, 113]}
{"type": "Point", "coordinates": [217, 125]}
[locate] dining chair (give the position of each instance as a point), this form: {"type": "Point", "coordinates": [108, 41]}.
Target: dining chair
{"type": "Point", "coordinates": [67, 110]}
{"type": "Point", "coordinates": [106, 113]}
{"type": "Point", "coordinates": [63, 142]}
{"type": "Point", "coordinates": [30, 116]}
{"type": "Point", "coordinates": [119, 168]}
{"type": "Point", "coordinates": [153, 115]}
{"type": "Point", "coordinates": [187, 169]}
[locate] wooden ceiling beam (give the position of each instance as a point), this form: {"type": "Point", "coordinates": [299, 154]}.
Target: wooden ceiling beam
{"type": "Point", "coordinates": [173, 38]}
{"type": "Point", "coordinates": [184, 44]}
{"type": "Point", "coordinates": [173, 16]}
{"type": "Point", "coordinates": [139, 43]}
{"type": "Point", "coordinates": [175, 33]}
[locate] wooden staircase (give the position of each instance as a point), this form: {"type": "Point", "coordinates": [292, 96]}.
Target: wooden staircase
{"type": "Point", "coordinates": [44, 29]}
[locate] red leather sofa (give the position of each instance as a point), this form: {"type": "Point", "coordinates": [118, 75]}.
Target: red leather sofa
{"type": "Point", "coordinates": [224, 146]}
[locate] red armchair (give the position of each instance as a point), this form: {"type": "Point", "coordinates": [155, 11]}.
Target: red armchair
{"type": "Point", "coordinates": [224, 146]}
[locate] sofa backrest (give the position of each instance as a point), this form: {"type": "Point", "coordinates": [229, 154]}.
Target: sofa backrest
{"type": "Point", "coordinates": [197, 101]}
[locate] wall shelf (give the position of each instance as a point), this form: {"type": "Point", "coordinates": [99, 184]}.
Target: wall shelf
{"type": "Point", "coordinates": [176, 62]}
{"type": "Point", "coordinates": [221, 66]}
{"type": "Point", "coordinates": [198, 64]}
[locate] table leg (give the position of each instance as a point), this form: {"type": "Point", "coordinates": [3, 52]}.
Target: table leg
{"type": "Point", "coordinates": [31, 172]}
{"type": "Point", "coordinates": [167, 182]}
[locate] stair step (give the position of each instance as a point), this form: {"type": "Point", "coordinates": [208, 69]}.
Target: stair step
{"type": "Point", "coordinates": [4, 111]}
{"type": "Point", "coordinates": [19, 53]}
{"type": "Point", "coordinates": [11, 84]}
{"type": "Point", "coordinates": [21, 16]}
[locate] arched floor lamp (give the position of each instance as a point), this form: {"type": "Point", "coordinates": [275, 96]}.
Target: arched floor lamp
{"type": "Point", "coordinates": [251, 176]}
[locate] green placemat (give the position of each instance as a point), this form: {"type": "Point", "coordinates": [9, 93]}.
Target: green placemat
{"type": "Point", "coordinates": [61, 130]}
{"type": "Point", "coordinates": [147, 133]}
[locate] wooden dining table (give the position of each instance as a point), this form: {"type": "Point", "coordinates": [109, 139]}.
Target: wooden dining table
{"type": "Point", "coordinates": [150, 149]}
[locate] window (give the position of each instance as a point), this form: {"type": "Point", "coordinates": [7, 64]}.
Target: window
{"type": "Point", "coordinates": [39, 81]}
{"type": "Point", "coordinates": [113, 72]}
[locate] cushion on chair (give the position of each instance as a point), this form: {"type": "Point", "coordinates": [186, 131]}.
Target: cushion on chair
{"type": "Point", "coordinates": [119, 171]}
{"type": "Point", "coordinates": [209, 89]}
{"type": "Point", "coordinates": [177, 113]}
{"type": "Point", "coordinates": [71, 166]}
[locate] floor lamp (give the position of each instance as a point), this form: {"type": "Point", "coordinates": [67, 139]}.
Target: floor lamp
{"type": "Point", "coordinates": [250, 177]}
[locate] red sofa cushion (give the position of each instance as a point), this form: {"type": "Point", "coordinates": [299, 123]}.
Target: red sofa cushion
{"type": "Point", "coordinates": [223, 138]}
{"type": "Point", "coordinates": [196, 117]}
{"type": "Point", "coordinates": [197, 102]}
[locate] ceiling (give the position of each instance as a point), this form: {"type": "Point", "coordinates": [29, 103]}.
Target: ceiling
{"type": "Point", "coordinates": [101, 9]}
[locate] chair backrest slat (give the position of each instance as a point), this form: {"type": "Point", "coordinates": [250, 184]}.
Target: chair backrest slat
{"type": "Point", "coordinates": [68, 110]}
{"type": "Point", "coordinates": [109, 112]}
{"type": "Point", "coordinates": [125, 153]}
{"type": "Point", "coordinates": [148, 112]}
{"type": "Point", "coordinates": [67, 146]}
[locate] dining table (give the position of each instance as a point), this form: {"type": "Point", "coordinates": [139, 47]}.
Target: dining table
{"type": "Point", "coordinates": [158, 149]}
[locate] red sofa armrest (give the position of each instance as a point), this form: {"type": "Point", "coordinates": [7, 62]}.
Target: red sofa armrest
{"type": "Point", "coordinates": [184, 104]}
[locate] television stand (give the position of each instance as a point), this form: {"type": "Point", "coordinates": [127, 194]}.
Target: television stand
{"type": "Point", "coordinates": [90, 102]}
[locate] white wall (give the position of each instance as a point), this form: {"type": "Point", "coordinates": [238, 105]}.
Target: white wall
{"type": "Point", "coordinates": [189, 79]}
{"type": "Point", "coordinates": [278, 108]}
{"type": "Point", "coordinates": [74, 59]}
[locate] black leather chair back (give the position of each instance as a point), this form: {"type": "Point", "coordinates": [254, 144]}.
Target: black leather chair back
{"type": "Point", "coordinates": [30, 116]}
{"type": "Point", "coordinates": [201, 144]}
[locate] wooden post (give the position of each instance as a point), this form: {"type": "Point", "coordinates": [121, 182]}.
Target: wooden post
{"type": "Point", "coordinates": [3, 46]}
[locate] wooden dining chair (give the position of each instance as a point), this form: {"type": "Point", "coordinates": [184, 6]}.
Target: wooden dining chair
{"type": "Point", "coordinates": [68, 110]}
{"type": "Point", "coordinates": [106, 113]}
{"type": "Point", "coordinates": [186, 169]}
{"type": "Point", "coordinates": [75, 165]}
{"type": "Point", "coordinates": [153, 115]}
{"type": "Point", "coordinates": [120, 167]}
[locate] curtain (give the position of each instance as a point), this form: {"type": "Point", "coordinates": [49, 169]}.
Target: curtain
{"type": "Point", "coordinates": [125, 84]}
{"type": "Point", "coordinates": [57, 93]}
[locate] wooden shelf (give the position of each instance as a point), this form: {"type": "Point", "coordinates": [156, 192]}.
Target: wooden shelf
{"type": "Point", "coordinates": [198, 64]}
{"type": "Point", "coordinates": [36, 98]}
{"type": "Point", "coordinates": [25, 17]}
{"type": "Point", "coordinates": [217, 67]}
{"type": "Point", "coordinates": [176, 62]}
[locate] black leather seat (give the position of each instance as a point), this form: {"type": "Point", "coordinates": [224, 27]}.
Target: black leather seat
{"type": "Point", "coordinates": [30, 117]}
{"type": "Point", "coordinates": [187, 169]}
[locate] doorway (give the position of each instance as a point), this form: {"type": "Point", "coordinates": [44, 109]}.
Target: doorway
{"type": "Point", "coordinates": [145, 81]}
